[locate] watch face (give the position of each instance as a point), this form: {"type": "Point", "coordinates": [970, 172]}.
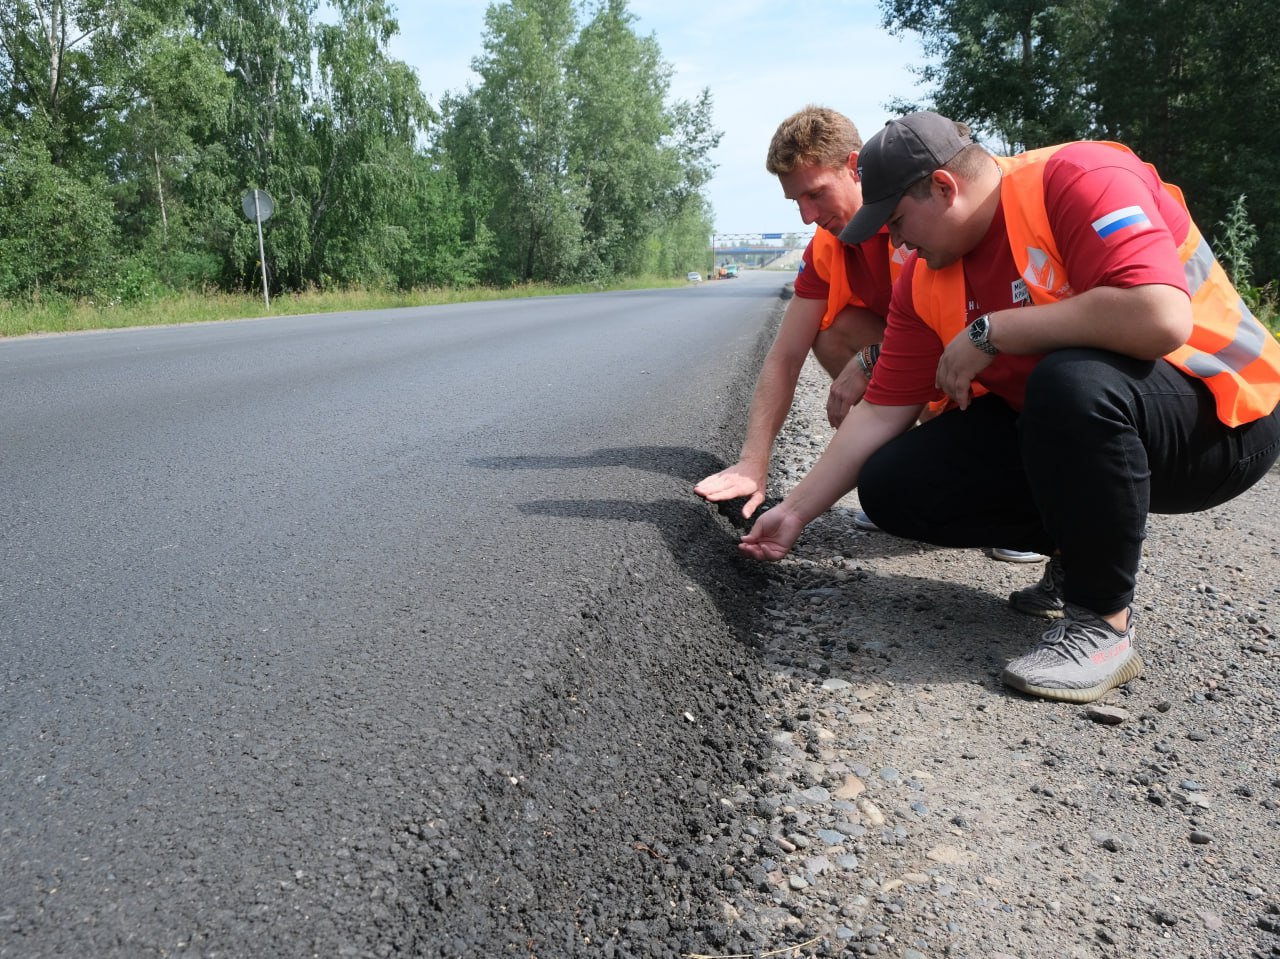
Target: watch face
{"type": "Point", "coordinates": [979, 330]}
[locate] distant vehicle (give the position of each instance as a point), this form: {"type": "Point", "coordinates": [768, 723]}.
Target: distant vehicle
{"type": "Point", "coordinates": [693, 277]}
{"type": "Point", "coordinates": [731, 271]}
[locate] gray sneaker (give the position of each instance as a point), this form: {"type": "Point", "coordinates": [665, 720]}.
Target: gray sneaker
{"type": "Point", "coordinates": [1045, 597]}
{"type": "Point", "coordinates": [1078, 660]}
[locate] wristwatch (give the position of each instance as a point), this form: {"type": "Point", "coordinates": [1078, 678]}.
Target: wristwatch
{"type": "Point", "coordinates": [980, 333]}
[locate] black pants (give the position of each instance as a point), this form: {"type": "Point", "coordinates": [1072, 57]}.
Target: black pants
{"type": "Point", "coordinates": [1102, 441]}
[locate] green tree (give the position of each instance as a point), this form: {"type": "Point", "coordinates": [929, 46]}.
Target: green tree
{"type": "Point", "coordinates": [1168, 85]}
{"type": "Point", "coordinates": [618, 84]}
{"type": "Point", "coordinates": [1016, 68]}
{"type": "Point", "coordinates": [364, 127]}
{"type": "Point", "coordinates": [47, 75]}
{"type": "Point", "coordinates": [525, 105]}
{"type": "Point", "coordinates": [56, 231]}
{"type": "Point", "coordinates": [565, 155]}
{"type": "Point", "coordinates": [1161, 77]}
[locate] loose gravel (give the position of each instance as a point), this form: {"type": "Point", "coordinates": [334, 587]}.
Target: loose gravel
{"type": "Point", "coordinates": [912, 807]}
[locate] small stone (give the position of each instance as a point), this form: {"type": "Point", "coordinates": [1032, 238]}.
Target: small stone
{"type": "Point", "coordinates": [944, 853]}
{"type": "Point", "coordinates": [1106, 715]}
{"type": "Point", "coordinates": [816, 794]}
{"type": "Point", "coordinates": [871, 811]}
{"type": "Point", "coordinates": [851, 787]}
{"type": "Point", "coordinates": [1200, 837]}
{"type": "Point", "coordinates": [1211, 921]}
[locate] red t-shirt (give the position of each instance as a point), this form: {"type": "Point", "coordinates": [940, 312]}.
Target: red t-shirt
{"type": "Point", "coordinates": [867, 265]}
{"type": "Point", "coordinates": [1114, 224]}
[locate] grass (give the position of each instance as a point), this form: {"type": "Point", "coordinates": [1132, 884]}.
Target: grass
{"type": "Point", "coordinates": [67, 316]}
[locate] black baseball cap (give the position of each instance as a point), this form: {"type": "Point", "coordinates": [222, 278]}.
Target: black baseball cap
{"type": "Point", "coordinates": [906, 150]}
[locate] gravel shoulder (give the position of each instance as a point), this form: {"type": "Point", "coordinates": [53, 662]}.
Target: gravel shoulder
{"type": "Point", "coordinates": [915, 808]}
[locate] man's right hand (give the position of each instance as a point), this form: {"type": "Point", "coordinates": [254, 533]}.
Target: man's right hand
{"type": "Point", "coordinates": [846, 389]}
{"type": "Point", "coordinates": [733, 483]}
{"type": "Point", "coordinates": [773, 534]}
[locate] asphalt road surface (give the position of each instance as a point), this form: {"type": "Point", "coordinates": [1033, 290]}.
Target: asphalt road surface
{"type": "Point", "coordinates": [385, 633]}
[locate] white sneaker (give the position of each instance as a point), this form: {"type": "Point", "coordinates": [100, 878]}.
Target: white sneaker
{"type": "Point", "coordinates": [1014, 555]}
{"type": "Point", "coordinates": [863, 521]}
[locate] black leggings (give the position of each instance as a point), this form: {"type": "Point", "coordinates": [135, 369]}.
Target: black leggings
{"type": "Point", "coordinates": [1102, 441]}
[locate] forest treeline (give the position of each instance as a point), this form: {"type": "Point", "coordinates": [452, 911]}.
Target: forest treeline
{"type": "Point", "coordinates": [130, 130]}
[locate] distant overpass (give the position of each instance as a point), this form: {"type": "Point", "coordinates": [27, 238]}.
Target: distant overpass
{"type": "Point", "coordinates": [755, 249]}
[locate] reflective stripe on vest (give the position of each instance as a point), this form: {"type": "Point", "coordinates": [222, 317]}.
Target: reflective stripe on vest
{"type": "Point", "coordinates": [1228, 348]}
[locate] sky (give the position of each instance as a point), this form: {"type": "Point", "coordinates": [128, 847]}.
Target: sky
{"type": "Point", "coordinates": [761, 59]}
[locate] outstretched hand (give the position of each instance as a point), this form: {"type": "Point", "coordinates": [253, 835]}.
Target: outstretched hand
{"type": "Point", "coordinates": [733, 483]}
{"type": "Point", "coordinates": [773, 535]}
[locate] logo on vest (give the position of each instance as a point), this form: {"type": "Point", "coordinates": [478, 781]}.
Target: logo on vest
{"type": "Point", "coordinates": [900, 254]}
{"type": "Point", "coordinates": [1041, 274]}
{"type": "Point", "coordinates": [1039, 271]}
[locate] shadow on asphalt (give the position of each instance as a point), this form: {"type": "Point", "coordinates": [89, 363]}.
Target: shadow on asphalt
{"type": "Point", "coordinates": [681, 462]}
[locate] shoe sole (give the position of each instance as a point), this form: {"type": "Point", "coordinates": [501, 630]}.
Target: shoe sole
{"type": "Point", "coordinates": [866, 525]}
{"type": "Point", "coordinates": [1130, 670]}
{"type": "Point", "coordinates": [1022, 558]}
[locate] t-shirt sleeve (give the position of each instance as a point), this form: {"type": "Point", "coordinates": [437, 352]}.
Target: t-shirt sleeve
{"type": "Point", "coordinates": [1113, 221]}
{"type": "Point", "coordinates": [908, 366]}
{"type": "Point", "coordinates": [808, 284]}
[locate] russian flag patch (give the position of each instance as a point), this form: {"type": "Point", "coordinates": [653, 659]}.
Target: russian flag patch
{"type": "Point", "coordinates": [1118, 220]}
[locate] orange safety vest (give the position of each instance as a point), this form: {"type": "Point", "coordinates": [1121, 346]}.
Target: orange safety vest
{"type": "Point", "coordinates": [829, 261]}
{"type": "Point", "coordinates": [1228, 348]}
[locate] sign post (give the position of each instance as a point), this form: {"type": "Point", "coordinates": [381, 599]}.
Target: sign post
{"type": "Point", "coordinates": [258, 207]}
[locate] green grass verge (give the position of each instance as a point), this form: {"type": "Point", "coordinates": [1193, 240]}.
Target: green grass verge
{"type": "Point", "coordinates": [67, 316]}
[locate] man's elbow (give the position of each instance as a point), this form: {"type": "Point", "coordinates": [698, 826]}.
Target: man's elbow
{"type": "Point", "coordinates": [1170, 323]}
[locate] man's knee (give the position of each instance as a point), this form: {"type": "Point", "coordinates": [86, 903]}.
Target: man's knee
{"type": "Point", "coordinates": [1068, 385]}
{"type": "Point", "coordinates": [850, 330]}
{"type": "Point", "coordinates": [832, 351]}
{"type": "Point", "coordinates": [883, 488]}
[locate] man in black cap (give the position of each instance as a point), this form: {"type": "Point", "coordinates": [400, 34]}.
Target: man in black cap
{"type": "Point", "coordinates": [1123, 375]}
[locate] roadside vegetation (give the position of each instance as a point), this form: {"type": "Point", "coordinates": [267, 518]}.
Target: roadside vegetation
{"type": "Point", "coordinates": [130, 132]}
{"type": "Point", "coordinates": [64, 315]}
